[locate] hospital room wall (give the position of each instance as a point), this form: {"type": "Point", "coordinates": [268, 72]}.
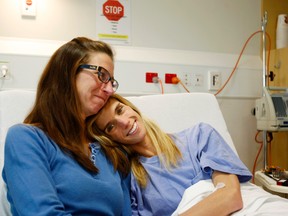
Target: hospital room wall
{"type": "Point", "coordinates": [183, 37]}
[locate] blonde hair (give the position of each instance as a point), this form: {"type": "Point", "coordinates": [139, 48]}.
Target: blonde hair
{"type": "Point", "coordinates": [166, 149]}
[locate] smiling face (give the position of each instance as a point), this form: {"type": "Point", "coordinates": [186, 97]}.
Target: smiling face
{"type": "Point", "coordinates": [92, 92]}
{"type": "Point", "coordinates": [121, 123]}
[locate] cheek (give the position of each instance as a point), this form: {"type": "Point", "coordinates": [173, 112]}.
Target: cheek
{"type": "Point", "coordinates": [86, 82]}
{"type": "Point", "coordinates": [142, 135]}
{"type": "Point", "coordinates": [87, 88]}
{"type": "Point", "coordinates": [117, 137]}
{"type": "Point", "coordinates": [81, 83]}
{"type": "Point", "coordinates": [83, 93]}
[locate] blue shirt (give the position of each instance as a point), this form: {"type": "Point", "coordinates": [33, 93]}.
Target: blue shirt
{"type": "Point", "coordinates": [43, 180]}
{"type": "Point", "coordinates": [203, 151]}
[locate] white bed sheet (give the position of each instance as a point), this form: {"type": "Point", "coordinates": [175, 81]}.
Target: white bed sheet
{"type": "Point", "coordinates": [256, 201]}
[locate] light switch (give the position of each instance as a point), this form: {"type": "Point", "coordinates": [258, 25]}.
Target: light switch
{"type": "Point", "coordinates": [28, 8]}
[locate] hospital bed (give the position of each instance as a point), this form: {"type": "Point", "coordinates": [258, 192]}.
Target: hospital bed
{"type": "Point", "coordinates": [173, 112]}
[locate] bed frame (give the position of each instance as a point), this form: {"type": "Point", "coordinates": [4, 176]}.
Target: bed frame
{"type": "Point", "coordinates": [173, 112]}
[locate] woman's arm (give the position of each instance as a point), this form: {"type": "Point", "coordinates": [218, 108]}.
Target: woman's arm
{"type": "Point", "coordinates": [223, 201]}
{"type": "Point", "coordinates": [28, 175]}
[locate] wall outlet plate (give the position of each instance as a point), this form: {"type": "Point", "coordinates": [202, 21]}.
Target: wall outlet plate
{"type": "Point", "coordinates": [214, 80]}
{"type": "Point", "coordinates": [197, 80]}
{"type": "Point", "coordinates": [4, 70]}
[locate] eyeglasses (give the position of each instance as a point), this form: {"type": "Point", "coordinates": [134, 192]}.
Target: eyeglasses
{"type": "Point", "coordinates": [103, 75]}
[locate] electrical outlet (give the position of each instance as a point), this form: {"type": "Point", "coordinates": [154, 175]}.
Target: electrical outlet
{"type": "Point", "coordinates": [187, 79]}
{"type": "Point", "coordinates": [214, 80]}
{"type": "Point", "coordinates": [4, 70]}
{"type": "Point", "coordinates": [168, 78]}
{"type": "Point", "coordinates": [197, 80]}
{"type": "Point", "coordinates": [150, 76]}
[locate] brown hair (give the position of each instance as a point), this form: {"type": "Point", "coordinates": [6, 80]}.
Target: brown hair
{"type": "Point", "coordinates": [166, 149]}
{"type": "Point", "coordinates": [57, 108]}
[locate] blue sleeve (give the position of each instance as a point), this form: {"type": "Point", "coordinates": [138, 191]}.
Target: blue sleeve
{"type": "Point", "coordinates": [126, 185]}
{"type": "Point", "coordinates": [136, 201]}
{"type": "Point", "coordinates": [215, 154]}
{"type": "Point", "coordinates": [27, 173]}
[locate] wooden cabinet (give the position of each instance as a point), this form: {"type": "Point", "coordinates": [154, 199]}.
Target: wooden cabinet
{"type": "Point", "coordinates": [279, 65]}
{"type": "Point", "coordinates": [279, 145]}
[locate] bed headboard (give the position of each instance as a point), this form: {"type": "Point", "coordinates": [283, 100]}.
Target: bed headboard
{"type": "Point", "coordinates": [177, 111]}
{"type": "Point", "coordinates": [173, 112]}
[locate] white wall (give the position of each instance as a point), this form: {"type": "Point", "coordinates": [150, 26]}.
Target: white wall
{"type": "Point", "coordinates": [183, 37]}
{"type": "Point", "coordinates": [220, 26]}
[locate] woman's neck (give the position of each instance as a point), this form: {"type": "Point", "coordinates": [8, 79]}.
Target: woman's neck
{"type": "Point", "coordinates": [145, 148]}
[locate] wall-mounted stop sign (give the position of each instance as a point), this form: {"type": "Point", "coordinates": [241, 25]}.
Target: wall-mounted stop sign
{"type": "Point", "coordinates": [113, 10]}
{"type": "Point", "coordinates": [29, 2]}
{"type": "Point", "coordinates": [113, 24]}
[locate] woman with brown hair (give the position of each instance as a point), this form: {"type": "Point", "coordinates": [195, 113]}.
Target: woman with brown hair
{"type": "Point", "coordinates": [51, 166]}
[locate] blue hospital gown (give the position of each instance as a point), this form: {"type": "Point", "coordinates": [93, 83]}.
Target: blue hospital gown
{"type": "Point", "coordinates": [203, 150]}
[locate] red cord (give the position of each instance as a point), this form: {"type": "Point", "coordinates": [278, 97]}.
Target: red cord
{"type": "Point", "coordinates": [240, 55]}
{"type": "Point", "coordinates": [176, 80]}
{"type": "Point", "coordinates": [184, 86]}
{"type": "Point", "coordinates": [161, 85]}
{"type": "Point", "coordinates": [258, 153]}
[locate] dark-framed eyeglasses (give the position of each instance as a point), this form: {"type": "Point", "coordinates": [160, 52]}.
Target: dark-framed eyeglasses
{"type": "Point", "coordinates": [103, 75]}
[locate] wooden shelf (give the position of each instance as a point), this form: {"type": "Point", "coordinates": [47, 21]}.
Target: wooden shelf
{"type": "Point", "coordinates": [279, 145]}
{"type": "Point", "coordinates": [279, 65]}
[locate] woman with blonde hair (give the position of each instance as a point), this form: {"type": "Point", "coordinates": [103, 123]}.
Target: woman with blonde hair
{"type": "Point", "coordinates": [164, 165]}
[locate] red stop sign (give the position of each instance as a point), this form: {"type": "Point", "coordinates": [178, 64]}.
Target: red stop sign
{"type": "Point", "coordinates": [113, 10]}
